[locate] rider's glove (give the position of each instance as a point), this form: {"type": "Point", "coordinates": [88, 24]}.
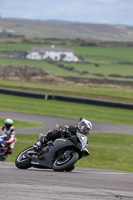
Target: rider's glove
{"type": "Point", "coordinates": [64, 131]}
{"type": "Point", "coordinates": [42, 139]}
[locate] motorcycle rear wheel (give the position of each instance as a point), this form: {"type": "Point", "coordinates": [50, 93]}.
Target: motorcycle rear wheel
{"type": "Point", "coordinates": [23, 161]}
{"type": "Point", "coordinates": [66, 164]}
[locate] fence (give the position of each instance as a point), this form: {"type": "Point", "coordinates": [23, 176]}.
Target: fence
{"type": "Point", "coordinates": [67, 98]}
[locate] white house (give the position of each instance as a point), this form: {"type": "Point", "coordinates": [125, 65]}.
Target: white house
{"type": "Point", "coordinates": [52, 53]}
{"type": "Point", "coordinates": [6, 32]}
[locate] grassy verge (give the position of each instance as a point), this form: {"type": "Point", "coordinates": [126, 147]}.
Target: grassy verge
{"type": "Point", "coordinates": [66, 109]}
{"type": "Point", "coordinates": [23, 141]}
{"type": "Point", "coordinates": [109, 68]}
{"type": "Point", "coordinates": [112, 158]}
{"type": "Point", "coordinates": [97, 92]}
{"type": "Point", "coordinates": [107, 151]}
{"type": "Point", "coordinates": [22, 124]}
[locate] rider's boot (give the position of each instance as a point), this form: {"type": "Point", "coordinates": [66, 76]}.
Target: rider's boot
{"type": "Point", "coordinates": [38, 145]}
{"type": "Point", "coordinates": [9, 151]}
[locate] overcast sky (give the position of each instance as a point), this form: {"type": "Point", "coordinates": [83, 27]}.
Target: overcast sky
{"type": "Point", "coordinates": [90, 11]}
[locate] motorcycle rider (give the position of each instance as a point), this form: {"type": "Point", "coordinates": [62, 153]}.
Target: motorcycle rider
{"type": "Point", "coordinates": [84, 127]}
{"type": "Point", "coordinates": [9, 130]}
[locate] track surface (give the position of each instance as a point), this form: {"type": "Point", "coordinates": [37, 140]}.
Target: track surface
{"type": "Point", "coordinates": [50, 122]}
{"type": "Point", "coordinates": [88, 184]}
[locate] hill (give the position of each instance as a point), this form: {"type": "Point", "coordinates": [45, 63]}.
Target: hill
{"type": "Point", "coordinates": [68, 30]}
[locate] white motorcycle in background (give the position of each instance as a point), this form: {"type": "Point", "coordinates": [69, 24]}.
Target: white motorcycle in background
{"type": "Point", "coordinates": [3, 146]}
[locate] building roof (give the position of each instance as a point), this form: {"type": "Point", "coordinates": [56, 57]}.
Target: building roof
{"type": "Point", "coordinates": [52, 48]}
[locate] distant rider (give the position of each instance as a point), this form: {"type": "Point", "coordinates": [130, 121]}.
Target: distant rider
{"type": "Point", "coordinates": [9, 130]}
{"type": "Point", "coordinates": [84, 127]}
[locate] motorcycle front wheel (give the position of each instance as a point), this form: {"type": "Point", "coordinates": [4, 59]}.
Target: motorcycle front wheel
{"type": "Point", "coordinates": [65, 164]}
{"type": "Point", "coordinates": [23, 161]}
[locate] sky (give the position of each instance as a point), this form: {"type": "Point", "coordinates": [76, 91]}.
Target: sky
{"type": "Point", "coordinates": [119, 12]}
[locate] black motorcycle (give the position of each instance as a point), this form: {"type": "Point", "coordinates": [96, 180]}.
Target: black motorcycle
{"type": "Point", "coordinates": [60, 155]}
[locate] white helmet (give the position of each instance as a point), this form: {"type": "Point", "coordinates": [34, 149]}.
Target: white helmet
{"type": "Point", "coordinates": [84, 126]}
{"type": "Point", "coordinates": [8, 123]}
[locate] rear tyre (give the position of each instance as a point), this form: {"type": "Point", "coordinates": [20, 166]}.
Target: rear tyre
{"type": "Point", "coordinates": [23, 161]}
{"type": "Point", "coordinates": [66, 164]}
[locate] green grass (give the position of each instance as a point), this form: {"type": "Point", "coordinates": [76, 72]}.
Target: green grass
{"type": "Point", "coordinates": [34, 63]}
{"type": "Point", "coordinates": [96, 92]}
{"type": "Point", "coordinates": [111, 158]}
{"type": "Point", "coordinates": [111, 139]}
{"type": "Point", "coordinates": [107, 151]}
{"type": "Point", "coordinates": [92, 54]}
{"type": "Point", "coordinates": [15, 47]}
{"type": "Point", "coordinates": [66, 109]}
{"type": "Point", "coordinates": [22, 124]}
{"type": "Point", "coordinates": [108, 57]}
{"type": "Point", "coordinates": [103, 69]}
{"type": "Point", "coordinates": [104, 93]}
{"type": "Point", "coordinates": [23, 141]}
{"type": "Point", "coordinates": [111, 54]}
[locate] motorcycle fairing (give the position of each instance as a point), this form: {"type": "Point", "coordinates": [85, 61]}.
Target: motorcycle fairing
{"type": "Point", "coordinates": [45, 160]}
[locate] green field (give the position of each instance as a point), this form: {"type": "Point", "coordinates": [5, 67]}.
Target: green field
{"type": "Point", "coordinates": [114, 63]}
{"type": "Point", "coordinates": [100, 54]}
{"type": "Point", "coordinates": [21, 123]}
{"type": "Point", "coordinates": [108, 151]}
{"type": "Point", "coordinates": [95, 92]}
{"type": "Point", "coordinates": [101, 72]}
{"type": "Point", "coordinates": [66, 109]}
{"type": "Point", "coordinates": [105, 56]}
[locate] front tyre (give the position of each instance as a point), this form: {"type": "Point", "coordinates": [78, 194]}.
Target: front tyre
{"type": "Point", "coordinates": [66, 164]}
{"type": "Point", "coordinates": [23, 161]}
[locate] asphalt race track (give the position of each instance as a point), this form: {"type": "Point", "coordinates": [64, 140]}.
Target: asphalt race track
{"type": "Point", "coordinates": [49, 122]}
{"type": "Point", "coordinates": [80, 184]}
{"type": "Point", "coordinates": [88, 184]}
